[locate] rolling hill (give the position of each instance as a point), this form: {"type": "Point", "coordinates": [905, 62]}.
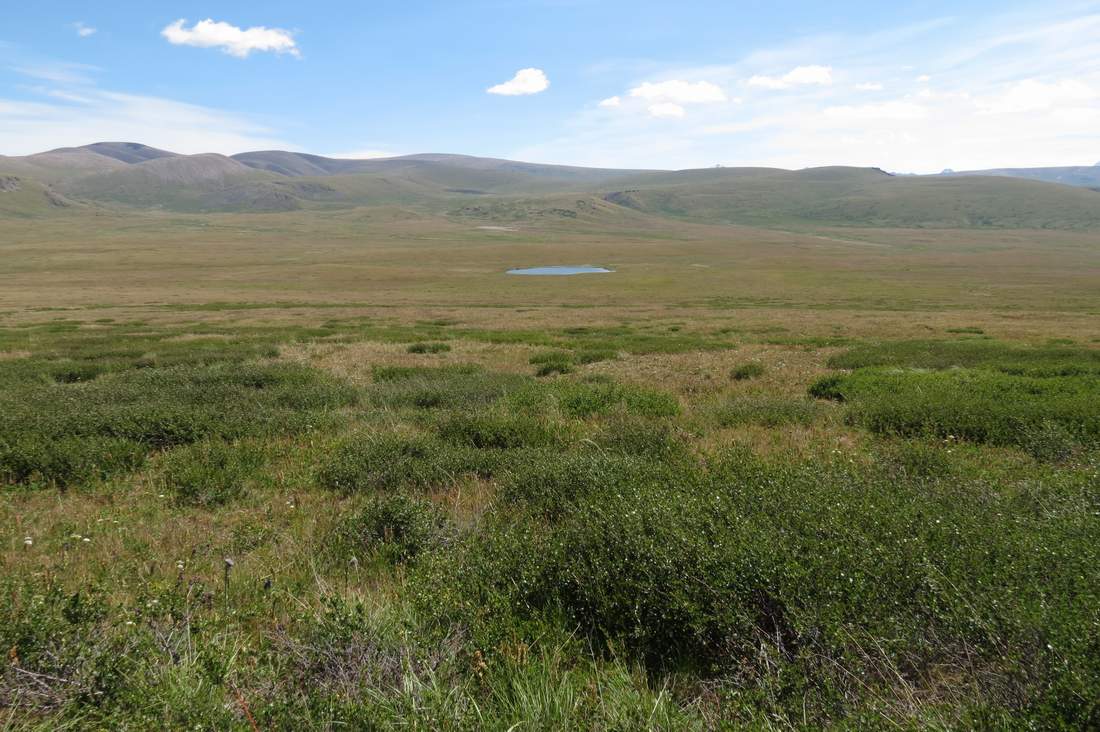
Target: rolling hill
{"type": "Point", "coordinates": [131, 176]}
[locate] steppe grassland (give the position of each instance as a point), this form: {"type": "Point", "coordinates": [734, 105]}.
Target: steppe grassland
{"type": "Point", "coordinates": [446, 540]}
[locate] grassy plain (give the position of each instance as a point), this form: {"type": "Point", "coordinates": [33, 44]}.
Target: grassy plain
{"type": "Point", "coordinates": [780, 479]}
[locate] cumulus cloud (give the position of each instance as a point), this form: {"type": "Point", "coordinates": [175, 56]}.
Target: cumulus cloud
{"type": "Point", "coordinates": [526, 81]}
{"type": "Point", "coordinates": [924, 79]}
{"type": "Point", "coordinates": [238, 42]}
{"type": "Point", "coordinates": [679, 92]}
{"type": "Point", "coordinates": [611, 103]}
{"type": "Point", "coordinates": [666, 109]}
{"type": "Point", "coordinates": [869, 86]}
{"type": "Point", "coordinates": [83, 30]}
{"type": "Point", "coordinates": [798, 76]}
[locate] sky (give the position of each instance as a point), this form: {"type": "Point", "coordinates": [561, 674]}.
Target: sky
{"type": "Point", "coordinates": [911, 87]}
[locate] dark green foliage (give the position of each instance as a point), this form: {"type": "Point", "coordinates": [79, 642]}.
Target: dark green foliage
{"type": "Point", "coordinates": [388, 461]}
{"type": "Point", "coordinates": [747, 371]}
{"type": "Point", "coordinates": [767, 411]}
{"type": "Point", "coordinates": [425, 347]}
{"type": "Point", "coordinates": [396, 528]}
{"type": "Point", "coordinates": [502, 430]}
{"type": "Point", "coordinates": [553, 362]}
{"type": "Point", "coordinates": [589, 399]}
{"type": "Point", "coordinates": [67, 460]}
{"type": "Point", "coordinates": [973, 405]}
{"type": "Point", "coordinates": [654, 440]}
{"type": "Point", "coordinates": [825, 575]}
{"type": "Point", "coordinates": [1011, 359]}
{"type": "Point", "coordinates": [210, 473]}
{"type": "Point", "coordinates": [65, 433]}
{"type": "Point", "coordinates": [550, 368]}
{"type": "Point", "coordinates": [595, 355]}
{"type": "Point", "coordinates": [447, 387]}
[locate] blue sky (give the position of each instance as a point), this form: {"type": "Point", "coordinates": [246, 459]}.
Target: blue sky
{"type": "Point", "coordinates": [907, 86]}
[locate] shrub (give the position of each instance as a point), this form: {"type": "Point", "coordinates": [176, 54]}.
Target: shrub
{"type": "Point", "coordinates": [601, 398]}
{"type": "Point", "coordinates": [210, 472]}
{"type": "Point", "coordinates": [551, 368]}
{"type": "Point", "coordinates": [644, 438]}
{"type": "Point", "coordinates": [424, 347]}
{"type": "Point", "coordinates": [447, 387]}
{"type": "Point", "coordinates": [66, 433]}
{"type": "Point", "coordinates": [395, 528]}
{"type": "Point", "coordinates": [595, 355]}
{"type": "Point", "coordinates": [974, 405]}
{"type": "Point", "coordinates": [747, 371]}
{"type": "Point", "coordinates": [68, 460]}
{"type": "Point", "coordinates": [501, 430]}
{"type": "Point", "coordinates": [387, 461]}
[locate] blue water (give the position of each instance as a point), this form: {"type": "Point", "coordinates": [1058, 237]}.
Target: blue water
{"type": "Point", "coordinates": [560, 270]}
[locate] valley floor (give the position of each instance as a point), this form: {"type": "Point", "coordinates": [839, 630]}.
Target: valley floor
{"type": "Point", "coordinates": [266, 473]}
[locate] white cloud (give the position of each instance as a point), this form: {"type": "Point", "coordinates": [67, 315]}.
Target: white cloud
{"type": "Point", "coordinates": [83, 30]}
{"type": "Point", "coordinates": [1020, 89]}
{"type": "Point", "coordinates": [80, 113]}
{"type": "Point", "coordinates": [798, 76]}
{"type": "Point", "coordinates": [231, 39]}
{"type": "Point", "coordinates": [924, 79]}
{"type": "Point", "coordinates": [895, 110]}
{"type": "Point", "coordinates": [1032, 95]}
{"type": "Point", "coordinates": [526, 81]}
{"type": "Point", "coordinates": [679, 92]}
{"type": "Point", "coordinates": [611, 103]}
{"type": "Point", "coordinates": [665, 109]}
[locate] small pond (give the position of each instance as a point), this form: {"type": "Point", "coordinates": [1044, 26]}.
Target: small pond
{"type": "Point", "coordinates": [560, 270]}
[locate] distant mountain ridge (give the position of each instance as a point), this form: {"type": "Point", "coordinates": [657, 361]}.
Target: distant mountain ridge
{"type": "Point", "coordinates": [133, 176]}
{"type": "Point", "coordinates": [1085, 176]}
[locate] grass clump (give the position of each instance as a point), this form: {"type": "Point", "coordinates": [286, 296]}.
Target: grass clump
{"type": "Point", "coordinates": [428, 347]}
{"type": "Point", "coordinates": [767, 411]}
{"type": "Point", "coordinates": [746, 371]}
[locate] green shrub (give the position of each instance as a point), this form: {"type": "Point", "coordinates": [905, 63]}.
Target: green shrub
{"type": "Point", "coordinates": [211, 472]}
{"type": "Point", "coordinates": [1051, 360]}
{"type": "Point", "coordinates": [601, 398]}
{"type": "Point", "coordinates": [551, 368]}
{"type": "Point", "coordinates": [626, 435]}
{"type": "Point", "coordinates": [501, 430]}
{"type": "Point", "coordinates": [973, 405]}
{"type": "Point", "coordinates": [587, 356]}
{"type": "Point", "coordinates": [552, 362]}
{"type": "Point", "coordinates": [68, 460]}
{"type": "Point", "coordinates": [447, 387]}
{"type": "Point", "coordinates": [387, 461]}
{"type": "Point", "coordinates": [425, 347]}
{"type": "Point", "coordinates": [395, 528]}
{"type": "Point", "coordinates": [67, 432]}
{"type": "Point", "coordinates": [747, 371]}
{"type": "Point", "coordinates": [1050, 441]}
